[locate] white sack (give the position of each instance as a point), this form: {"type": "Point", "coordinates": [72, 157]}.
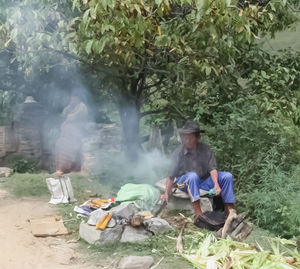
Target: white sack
{"type": "Point", "coordinates": [61, 190]}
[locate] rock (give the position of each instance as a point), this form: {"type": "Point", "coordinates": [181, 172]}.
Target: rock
{"type": "Point", "coordinates": [181, 201]}
{"type": "Point", "coordinates": [185, 204]}
{"type": "Point", "coordinates": [98, 237]}
{"type": "Point", "coordinates": [131, 234]}
{"type": "Point", "coordinates": [157, 226]}
{"type": "Point", "coordinates": [161, 185]}
{"type": "Point", "coordinates": [124, 210]}
{"type": "Point", "coordinates": [5, 172]}
{"type": "Point", "coordinates": [95, 216]}
{"type": "Point", "coordinates": [136, 262]}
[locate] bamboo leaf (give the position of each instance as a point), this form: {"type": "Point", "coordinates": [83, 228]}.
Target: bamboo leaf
{"type": "Point", "coordinates": [88, 47]}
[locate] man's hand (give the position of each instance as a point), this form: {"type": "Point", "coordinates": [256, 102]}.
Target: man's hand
{"type": "Point", "coordinates": [164, 198]}
{"type": "Point", "coordinates": [217, 189]}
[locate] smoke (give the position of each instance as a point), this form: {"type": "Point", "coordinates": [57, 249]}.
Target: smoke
{"type": "Point", "coordinates": [151, 166]}
{"type": "Point", "coordinates": [33, 41]}
{"type": "Point", "coordinates": [117, 170]}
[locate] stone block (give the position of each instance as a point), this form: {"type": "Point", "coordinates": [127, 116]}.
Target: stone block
{"type": "Point", "coordinates": [161, 185]}
{"type": "Point", "coordinates": [157, 226]}
{"type": "Point", "coordinates": [181, 201]}
{"type": "Point", "coordinates": [124, 210]}
{"type": "Point", "coordinates": [98, 237]}
{"type": "Point", "coordinates": [131, 234]}
{"type": "Point", "coordinates": [5, 172]}
{"type": "Point", "coordinates": [136, 262]}
{"type": "Point", "coordinates": [97, 215]}
{"type": "Point", "coordinates": [185, 204]}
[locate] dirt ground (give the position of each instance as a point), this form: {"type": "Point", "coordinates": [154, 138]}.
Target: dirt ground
{"type": "Point", "coordinates": [19, 249]}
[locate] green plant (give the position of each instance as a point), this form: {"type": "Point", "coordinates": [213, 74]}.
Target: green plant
{"type": "Point", "coordinates": [24, 185]}
{"type": "Point", "coordinates": [24, 166]}
{"type": "Point", "coordinates": [274, 204]}
{"type": "Point", "coordinates": [226, 252]}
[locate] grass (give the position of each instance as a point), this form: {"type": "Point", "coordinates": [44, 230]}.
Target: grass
{"type": "Point", "coordinates": [24, 185]}
{"type": "Point", "coordinates": [158, 247]}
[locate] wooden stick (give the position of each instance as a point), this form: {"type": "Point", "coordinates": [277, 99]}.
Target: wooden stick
{"type": "Point", "coordinates": [179, 245]}
{"type": "Point", "coordinates": [232, 215]}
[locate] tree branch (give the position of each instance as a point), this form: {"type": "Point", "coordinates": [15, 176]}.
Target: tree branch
{"type": "Point", "coordinates": [154, 84]}
{"type": "Point", "coordinates": [141, 85]}
{"type": "Point", "coordinates": [152, 112]}
{"type": "Point", "coordinates": [107, 70]}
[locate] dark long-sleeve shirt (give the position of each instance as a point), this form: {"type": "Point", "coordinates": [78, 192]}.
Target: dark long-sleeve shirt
{"type": "Point", "coordinates": [201, 162]}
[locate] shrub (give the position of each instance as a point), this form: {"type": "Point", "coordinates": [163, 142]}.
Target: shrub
{"type": "Point", "coordinates": [275, 204]}
{"type": "Point", "coordinates": [24, 166]}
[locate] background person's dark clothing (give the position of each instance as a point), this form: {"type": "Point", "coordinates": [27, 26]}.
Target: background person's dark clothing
{"type": "Point", "coordinates": [201, 162]}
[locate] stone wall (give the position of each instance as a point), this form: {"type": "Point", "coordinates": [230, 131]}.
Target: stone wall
{"type": "Point", "coordinates": [103, 141]}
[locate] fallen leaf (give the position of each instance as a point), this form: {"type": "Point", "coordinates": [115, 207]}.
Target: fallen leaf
{"type": "Point", "coordinates": [7, 43]}
{"type": "Point", "coordinates": [159, 30]}
{"type": "Point", "coordinates": [150, 52]}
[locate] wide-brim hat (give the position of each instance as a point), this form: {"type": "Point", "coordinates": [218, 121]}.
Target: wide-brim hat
{"type": "Point", "coordinates": [190, 127]}
{"type": "Point", "coordinates": [29, 99]}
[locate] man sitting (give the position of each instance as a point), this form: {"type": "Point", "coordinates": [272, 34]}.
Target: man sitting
{"type": "Point", "coordinates": [194, 167]}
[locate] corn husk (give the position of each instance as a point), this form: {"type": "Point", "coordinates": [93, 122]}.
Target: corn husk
{"type": "Point", "coordinates": [227, 253]}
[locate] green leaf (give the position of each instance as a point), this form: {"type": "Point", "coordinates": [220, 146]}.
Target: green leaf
{"type": "Point", "coordinates": [207, 70]}
{"type": "Point", "coordinates": [158, 2]}
{"type": "Point", "coordinates": [271, 16]}
{"type": "Point", "coordinates": [14, 34]}
{"type": "Point", "coordinates": [247, 26]}
{"type": "Point", "coordinates": [99, 45]}
{"type": "Point", "coordinates": [137, 8]}
{"type": "Point", "coordinates": [93, 12]}
{"type": "Point", "coordinates": [88, 47]}
{"type": "Point", "coordinates": [86, 16]}
{"type": "Point", "coordinates": [264, 74]}
{"type": "Point", "coordinates": [199, 4]}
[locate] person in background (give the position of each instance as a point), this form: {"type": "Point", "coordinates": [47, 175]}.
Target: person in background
{"type": "Point", "coordinates": [194, 167]}
{"type": "Point", "coordinates": [68, 146]}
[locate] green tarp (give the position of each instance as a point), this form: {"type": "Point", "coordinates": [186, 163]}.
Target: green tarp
{"type": "Point", "coordinates": [144, 196]}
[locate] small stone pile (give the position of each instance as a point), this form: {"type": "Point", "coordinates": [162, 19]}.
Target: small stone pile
{"type": "Point", "coordinates": [119, 228]}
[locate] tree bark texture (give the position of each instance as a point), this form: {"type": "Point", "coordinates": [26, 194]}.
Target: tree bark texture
{"type": "Point", "coordinates": [130, 121]}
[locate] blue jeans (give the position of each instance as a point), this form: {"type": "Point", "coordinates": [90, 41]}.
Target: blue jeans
{"type": "Point", "coordinates": [191, 184]}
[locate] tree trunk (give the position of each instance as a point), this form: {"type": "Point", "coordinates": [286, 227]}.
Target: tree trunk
{"type": "Point", "coordinates": [130, 120]}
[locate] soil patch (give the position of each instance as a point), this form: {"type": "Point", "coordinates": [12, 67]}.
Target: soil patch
{"type": "Point", "coordinates": [21, 250]}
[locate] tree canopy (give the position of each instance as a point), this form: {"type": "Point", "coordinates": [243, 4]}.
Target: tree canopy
{"type": "Point", "coordinates": [174, 59]}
